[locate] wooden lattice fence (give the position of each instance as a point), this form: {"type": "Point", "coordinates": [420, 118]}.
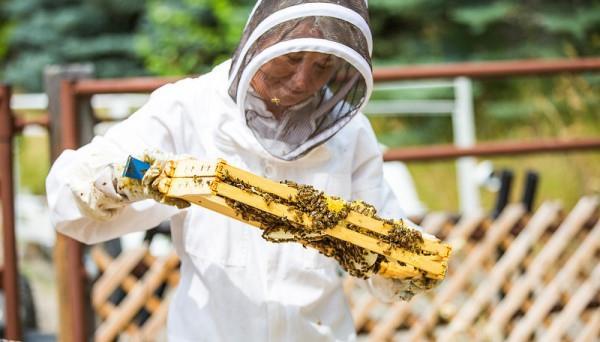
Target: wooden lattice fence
{"type": "Point", "coordinates": [131, 296]}
{"type": "Point", "coordinates": [521, 276]}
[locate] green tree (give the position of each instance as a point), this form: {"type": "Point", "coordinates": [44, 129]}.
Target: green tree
{"type": "Point", "coordinates": [436, 31]}
{"type": "Point", "coordinates": [419, 31]}
{"type": "Point", "coordinates": [181, 37]}
{"type": "Point", "coordinates": [69, 31]}
{"type": "Point", "coordinates": [5, 26]}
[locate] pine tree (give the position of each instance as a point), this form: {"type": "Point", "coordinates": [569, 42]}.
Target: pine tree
{"type": "Point", "coordinates": [409, 32]}
{"type": "Point", "coordinates": [71, 31]}
{"type": "Point", "coordinates": [182, 37]}
{"type": "Point", "coordinates": [419, 31]}
{"type": "Point", "coordinates": [5, 25]}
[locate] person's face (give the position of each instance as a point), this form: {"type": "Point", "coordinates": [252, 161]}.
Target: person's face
{"type": "Point", "coordinates": [294, 77]}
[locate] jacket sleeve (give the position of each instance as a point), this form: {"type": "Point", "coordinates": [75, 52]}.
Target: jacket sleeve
{"type": "Point", "coordinates": [369, 185]}
{"type": "Point", "coordinates": [155, 126]}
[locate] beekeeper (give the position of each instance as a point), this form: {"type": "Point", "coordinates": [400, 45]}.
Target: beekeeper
{"type": "Point", "coordinates": [287, 106]}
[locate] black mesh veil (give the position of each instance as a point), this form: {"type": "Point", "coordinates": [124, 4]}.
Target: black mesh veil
{"type": "Point", "coordinates": [336, 29]}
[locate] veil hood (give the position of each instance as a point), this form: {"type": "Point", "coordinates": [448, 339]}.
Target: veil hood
{"type": "Point", "coordinates": [275, 28]}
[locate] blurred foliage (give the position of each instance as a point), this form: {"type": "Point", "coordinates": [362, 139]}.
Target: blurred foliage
{"type": "Point", "coordinates": [418, 31]}
{"type": "Point", "coordinates": [35, 161]}
{"type": "Point", "coordinates": [180, 37]}
{"type": "Point", "coordinates": [560, 106]}
{"type": "Point", "coordinates": [46, 32]}
{"type": "Point", "coordinates": [564, 177]}
{"type": "Point", "coordinates": [175, 37]}
{"type": "Point", "coordinates": [5, 26]}
{"type": "Point", "coordinates": [436, 31]}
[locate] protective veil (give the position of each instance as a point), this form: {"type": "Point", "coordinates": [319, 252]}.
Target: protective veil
{"type": "Point", "coordinates": [277, 28]}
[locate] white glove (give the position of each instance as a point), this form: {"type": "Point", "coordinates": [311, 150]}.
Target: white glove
{"type": "Point", "coordinates": [100, 200]}
{"type": "Point", "coordinates": [135, 190]}
{"type": "Point", "coordinates": [390, 290]}
{"type": "Point", "coordinates": [111, 192]}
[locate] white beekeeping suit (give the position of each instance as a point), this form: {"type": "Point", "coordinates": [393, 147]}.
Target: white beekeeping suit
{"type": "Point", "coordinates": [235, 285]}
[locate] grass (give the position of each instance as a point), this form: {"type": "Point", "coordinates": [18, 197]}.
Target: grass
{"type": "Point", "coordinates": [33, 162]}
{"type": "Point", "coordinates": [565, 177]}
{"type": "Point", "coordinates": [509, 109]}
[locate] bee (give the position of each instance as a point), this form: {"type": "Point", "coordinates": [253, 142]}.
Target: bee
{"type": "Point", "coordinates": [309, 201]}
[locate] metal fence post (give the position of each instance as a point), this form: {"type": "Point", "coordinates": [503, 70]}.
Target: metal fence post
{"type": "Point", "coordinates": [10, 276]}
{"type": "Point", "coordinates": [70, 271]}
{"type": "Point", "coordinates": [53, 76]}
{"type": "Point", "coordinates": [463, 123]}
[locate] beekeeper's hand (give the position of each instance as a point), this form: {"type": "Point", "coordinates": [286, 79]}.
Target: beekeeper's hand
{"type": "Point", "coordinates": [99, 199]}
{"type": "Point", "coordinates": [111, 192]}
{"type": "Point", "coordinates": [135, 190]}
{"type": "Point", "coordinates": [390, 290]}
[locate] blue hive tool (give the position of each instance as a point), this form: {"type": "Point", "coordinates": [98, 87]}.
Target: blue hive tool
{"type": "Point", "coordinates": [135, 168]}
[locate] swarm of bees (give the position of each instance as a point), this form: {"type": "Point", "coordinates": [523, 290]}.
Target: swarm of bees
{"type": "Point", "coordinates": [355, 260]}
{"type": "Point", "coordinates": [363, 243]}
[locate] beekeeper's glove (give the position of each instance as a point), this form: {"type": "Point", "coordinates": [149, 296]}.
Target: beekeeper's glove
{"type": "Point", "coordinates": [390, 290]}
{"type": "Point", "coordinates": [111, 191]}
{"type": "Point", "coordinates": [135, 190]}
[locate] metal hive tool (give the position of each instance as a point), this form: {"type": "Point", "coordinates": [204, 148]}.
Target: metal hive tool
{"type": "Point", "coordinates": [209, 185]}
